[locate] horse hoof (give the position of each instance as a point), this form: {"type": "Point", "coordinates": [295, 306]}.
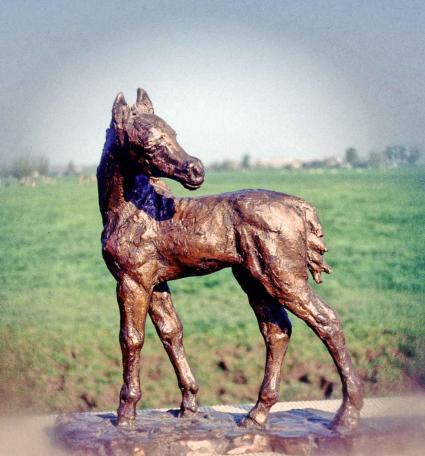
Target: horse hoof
{"type": "Point", "coordinates": [124, 421]}
{"type": "Point", "coordinates": [248, 422]}
{"type": "Point", "coordinates": [187, 413]}
{"type": "Point", "coordinates": [346, 420]}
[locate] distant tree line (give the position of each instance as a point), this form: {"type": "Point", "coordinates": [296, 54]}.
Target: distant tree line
{"type": "Point", "coordinates": [39, 166]}
{"type": "Point", "coordinates": [390, 157]}
{"type": "Point", "coordinates": [26, 166]}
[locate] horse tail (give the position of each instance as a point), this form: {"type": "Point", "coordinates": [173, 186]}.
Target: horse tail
{"type": "Point", "coordinates": [314, 239]}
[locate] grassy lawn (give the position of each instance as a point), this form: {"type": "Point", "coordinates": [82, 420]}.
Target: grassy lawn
{"type": "Point", "coordinates": [59, 346]}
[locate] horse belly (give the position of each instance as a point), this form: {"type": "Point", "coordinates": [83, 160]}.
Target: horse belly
{"type": "Point", "coordinates": [200, 254]}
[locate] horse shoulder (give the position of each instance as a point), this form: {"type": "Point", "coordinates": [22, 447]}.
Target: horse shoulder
{"type": "Point", "coordinates": [129, 242]}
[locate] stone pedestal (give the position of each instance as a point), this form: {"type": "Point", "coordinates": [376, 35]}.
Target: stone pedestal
{"type": "Point", "coordinates": [294, 432]}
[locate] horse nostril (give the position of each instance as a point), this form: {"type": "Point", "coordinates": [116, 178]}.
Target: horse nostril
{"type": "Point", "coordinates": [195, 170]}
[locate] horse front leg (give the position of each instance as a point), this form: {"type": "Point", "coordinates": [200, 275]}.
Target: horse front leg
{"type": "Point", "coordinates": [170, 330]}
{"type": "Point", "coordinates": [133, 302]}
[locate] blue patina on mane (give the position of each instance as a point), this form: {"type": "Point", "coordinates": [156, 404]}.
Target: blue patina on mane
{"type": "Point", "coordinates": [145, 197]}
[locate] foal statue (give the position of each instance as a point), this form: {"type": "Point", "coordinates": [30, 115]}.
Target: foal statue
{"type": "Point", "coordinates": [149, 237]}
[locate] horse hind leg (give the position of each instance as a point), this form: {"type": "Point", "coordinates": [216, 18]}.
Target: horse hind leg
{"type": "Point", "coordinates": [275, 328]}
{"type": "Point", "coordinates": [298, 297]}
{"type": "Point", "coordinates": [170, 331]}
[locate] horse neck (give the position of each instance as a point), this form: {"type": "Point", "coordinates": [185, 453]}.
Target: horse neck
{"type": "Point", "coordinates": [119, 185]}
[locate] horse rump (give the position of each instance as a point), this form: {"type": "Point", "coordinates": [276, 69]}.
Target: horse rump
{"type": "Point", "coordinates": [314, 238]}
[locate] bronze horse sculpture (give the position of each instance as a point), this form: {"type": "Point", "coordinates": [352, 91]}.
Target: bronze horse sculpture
{"type": "Point", "coordinates": [149, 237]}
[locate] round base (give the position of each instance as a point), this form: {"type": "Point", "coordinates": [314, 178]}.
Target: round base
{"type": "Point", "coordinates": [297, 432]}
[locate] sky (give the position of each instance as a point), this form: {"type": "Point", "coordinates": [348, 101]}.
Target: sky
{"type": "Point", "coordinates": [274, 79]}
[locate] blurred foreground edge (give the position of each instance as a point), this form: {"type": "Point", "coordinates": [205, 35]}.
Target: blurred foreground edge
{"type": "Point", "coordinates": [390, 426]}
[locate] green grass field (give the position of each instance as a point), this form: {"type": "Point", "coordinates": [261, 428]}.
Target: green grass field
{"type": "Point", "coordinates": [59, 346]}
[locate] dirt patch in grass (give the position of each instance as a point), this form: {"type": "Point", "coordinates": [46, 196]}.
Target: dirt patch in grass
{"type": "Point", "coordinates": [227, 375]}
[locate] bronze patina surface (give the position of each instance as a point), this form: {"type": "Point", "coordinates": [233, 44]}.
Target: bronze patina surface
{"type": "Point", "coordinates": [149, 237]}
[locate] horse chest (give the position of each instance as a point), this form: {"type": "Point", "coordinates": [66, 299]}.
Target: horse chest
{"type": "Point", "coordinates": [130, 243]}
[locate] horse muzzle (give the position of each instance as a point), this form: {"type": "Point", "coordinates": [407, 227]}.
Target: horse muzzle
{"type": "Point", "coordinates": [194, 174]}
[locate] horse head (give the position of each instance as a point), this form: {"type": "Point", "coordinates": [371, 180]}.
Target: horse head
{"type": "Point", "coordinates": [150, 143]}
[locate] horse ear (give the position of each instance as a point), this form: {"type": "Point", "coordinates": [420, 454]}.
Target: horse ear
{"type": "Point", "coordinates": [143, 103]}
{"type": "Point", "coordinates": [120, 111]}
